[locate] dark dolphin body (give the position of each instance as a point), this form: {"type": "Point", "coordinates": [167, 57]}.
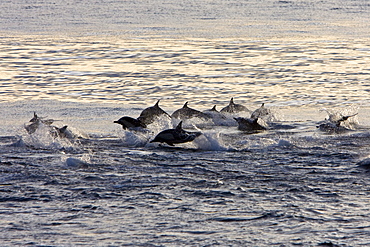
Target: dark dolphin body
{"type": "Point", "coordinates": [186, 112]}
{"type": "Point", "coordinates": [150, 114]}
{"type": "Point", "coordinates": [175, 136]}
{"type": "Point", "coordinates": [129, 123]}
{"type": "Point", "coordinates": [234, 108]}
{"type": "Point", "coordinates": [249, 124]}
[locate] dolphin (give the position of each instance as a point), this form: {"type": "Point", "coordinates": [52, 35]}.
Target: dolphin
{"type": "Point", "coordinates": [54, 131]}
{"type": "Point", "coordinates": [65, 133]}
{"type": "Point", "coordinates": [186, 112]}
{"type": "Point", "coordinates": [213, 109]}
{"type": "Point", "coordinates": [35, 123]}
{"type": "Point", "coordinates": [214, 113]}
{"type": "Point", "coordinates": [31, 128]}
{"type": "Point", "coordinates": [60, 132]}
{"type": "Point", "coordinates": [175, 136]}
{"type": "Point", "coordinates": [249, 124]}
{"type": "Point", "coordinates": [261, 112]}
{"type": "Point", "coordinates": [334, 126]}
{"type": "Point", "coordinates": [129, 123]}
{"type": "Point", "coordinates": [44, 121]}
{"type": "Point", "coordinates": [234, 108]}
{"type": "Point", "coordinates": [149, 114]}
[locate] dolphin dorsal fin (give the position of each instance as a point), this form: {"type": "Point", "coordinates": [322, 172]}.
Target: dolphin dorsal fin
{"type": "Point", "coordinates": [179, 126]}
{"type": "Point", "coordinates": [263, 104]}
{"type": "Point", "coordinates": [214, 108]}
{"type": "Point", "coordinates": [185, 105]}
{"type": "Point", "coordinates": [63, 129]}
{"type": "Point", "coordinates": [232, 101]}
{"type": "Point", "coordinates": [157, 104]}
{"type": "Point", "coordinates": [35, 117]}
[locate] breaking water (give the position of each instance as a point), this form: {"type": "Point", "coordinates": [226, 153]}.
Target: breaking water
{"type": "Point", "coordinates": [87, 65]}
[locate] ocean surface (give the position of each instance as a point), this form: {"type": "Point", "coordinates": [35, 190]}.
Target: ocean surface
{"type": "Point", "coordinates": [85, 64]}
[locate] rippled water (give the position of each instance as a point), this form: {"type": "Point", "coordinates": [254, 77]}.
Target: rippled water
{"type": "Point", "coordinates": [202, 72]}
{"type": "Point", "coordinates": [86, 65]}
{"type": "Point", "coordinates": [207, 19]}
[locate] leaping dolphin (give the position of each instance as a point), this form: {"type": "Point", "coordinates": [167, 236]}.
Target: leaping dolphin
{"type": "Point", "coordinates": [35, 123]}
{"type": "Point", "coordinates": [334, 126]}
{"type": "Point", "coordinates": [54, 131]}
{"type": "Point", "coordinates": [261, 112]}
{"type": "Point", "coordinates": [36, 118]}
{"type": "Point", "coordinates": [175, 136]}
{"type": "Point", "coordinates": [149, 114]}
{"type": "Point", "coordinates": [129, 123]}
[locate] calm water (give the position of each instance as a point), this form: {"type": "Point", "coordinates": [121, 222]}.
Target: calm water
{"type": "Point", "coordinates": [86, 64]}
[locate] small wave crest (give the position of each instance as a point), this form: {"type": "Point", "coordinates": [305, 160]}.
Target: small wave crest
{"type": "Point", "coordinates": [212, 141]}
{"type": "Point", "coordinates": [135, 138]}
{"type": "Point", "coordinates": [44, 138]}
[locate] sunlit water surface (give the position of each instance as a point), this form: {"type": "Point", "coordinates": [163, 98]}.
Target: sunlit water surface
{"type": "Point", "coordinates": [87, 65]}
